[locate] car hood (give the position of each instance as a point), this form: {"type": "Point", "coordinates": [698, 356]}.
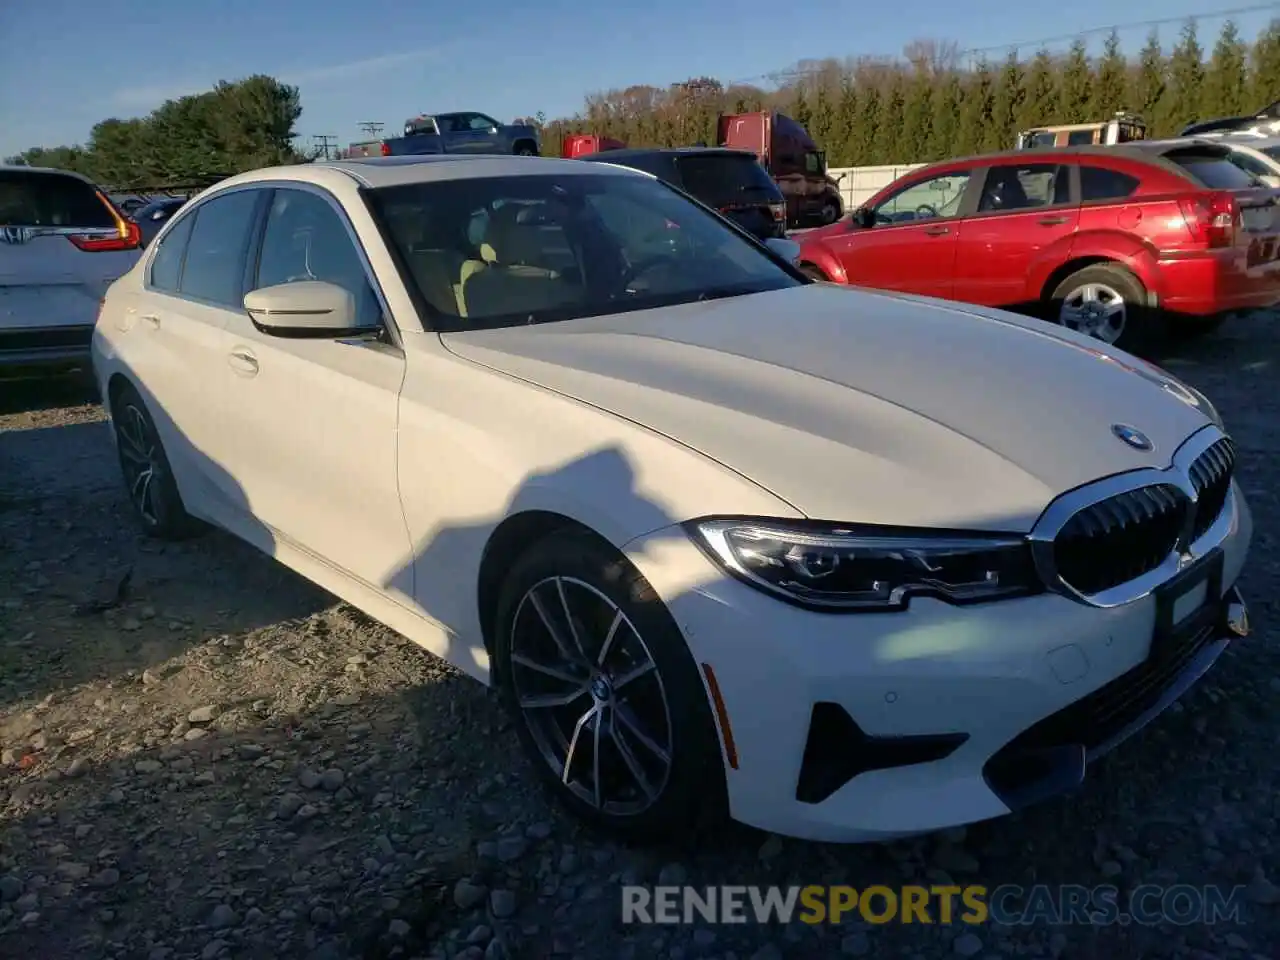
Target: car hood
{"type": "Point", "coordinates": [858, 406]}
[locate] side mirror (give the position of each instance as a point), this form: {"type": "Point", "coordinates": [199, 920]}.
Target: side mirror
{"type": "Point", "coordinates": [864, 217]}
{"type": "Point", "coordinates": [304, 308]}
{"type": "Point", "coordinates": [788, 250]}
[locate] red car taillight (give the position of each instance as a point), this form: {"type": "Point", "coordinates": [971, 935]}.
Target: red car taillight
{"type": "Point", "coordinates": [1211, 218]}
{"type": "Point", "coordinates": [779, 211]}
{"type": "Point", "coordinates": [127, 237]}
{"type": "Point", "coordinates": [385, 150]}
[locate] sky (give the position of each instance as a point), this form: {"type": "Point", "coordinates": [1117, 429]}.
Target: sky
{"type": "Point", "coordinates": [82, 61]}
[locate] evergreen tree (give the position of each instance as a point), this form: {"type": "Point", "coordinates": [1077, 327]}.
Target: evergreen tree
{"type": "Point", "coordinates": [870, 123]}
{"type": "Point", "coordinates": [822, 124]}
{"type": "Point", "coordinates": [975, 111]}
{"type": "Point", "coordinates": [1181, 103]}
{"type": "Point", "coordinates": [1109, 90]}
{"type": "Point", "coordinates": [1226, 79]}
{"type": "Point", "coordinates": [845, 149]}
{"type": "Point", "coordinates": [1039, 106]}
{"type": "Point", "coordinates": [1006, 106]}
{"type": "Point", "coordinates": [1147, 90]}
{"type": "Point", "coordinates": [891, 143]}
{"type": "Point", "coordinates": [946, 124]}
{"type": "Point", "coordinates": [799, 111]}
{"type": "Point", "coordinates": [919, 115]}
{"type": "Point", "coordinates": [1264, 69]}
{"type": "Point", "coordinates": [1076, 88]}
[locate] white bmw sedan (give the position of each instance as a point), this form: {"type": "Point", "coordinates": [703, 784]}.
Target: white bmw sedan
{"type": "Point", "coordinates": [834, 563]}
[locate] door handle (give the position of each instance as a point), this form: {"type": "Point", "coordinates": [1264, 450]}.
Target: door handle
{"type": "Point", "coordinates": [243, 362]}
{"type": "Point", "coordinates": [151, 320]}
{"type": "Point", "coordinates": [1051, 221]}
{"type": "Point", "coordinates": [937, 231]}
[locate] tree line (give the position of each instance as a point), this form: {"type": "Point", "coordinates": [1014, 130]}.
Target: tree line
{"type": "Point", "coordinates": [189, 140]}
{"type": "Point", "coordinates": [927, 105]}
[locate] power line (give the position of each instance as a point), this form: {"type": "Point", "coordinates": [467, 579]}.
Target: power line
{"type": "Point", "coordinates": [971, 53]}
{"type": "Point", "coordinates": [324, 141]}
{"type": "Point", "coordinates": [372, 127]}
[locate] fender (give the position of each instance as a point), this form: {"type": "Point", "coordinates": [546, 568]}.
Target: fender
{"type": "Point", "coordinates": [1047, 260]}
{"type": "Point", "coordinates": [1139, 256]}
{"type": "Point", "coordinates": [816, 252]}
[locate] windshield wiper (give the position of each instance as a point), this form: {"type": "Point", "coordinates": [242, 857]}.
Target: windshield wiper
{"type": "Point", "coordinates": [721, 293]}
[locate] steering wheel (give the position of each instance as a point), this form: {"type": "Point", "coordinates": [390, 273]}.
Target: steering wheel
{"type": "Point", "coordinates": [926, 210]}
{"type": "Point", "coordinates": [643, 265]}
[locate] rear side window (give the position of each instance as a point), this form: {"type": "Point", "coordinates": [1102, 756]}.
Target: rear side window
{"type": "Point", "coordinates": [1080, 138]}
{"type": "Point", "coordinates": [1098, 183]}
{"type": "Point", "coordinates": [31, 199]}
{"type": "Point", "coordinates": [166, 268]}
{"type": "Point", "coordinates": [215, 262]}
{"type": "Point", "coordinates": [718, 180]}
{"type": "Point", "coordinates": [1212, 170]}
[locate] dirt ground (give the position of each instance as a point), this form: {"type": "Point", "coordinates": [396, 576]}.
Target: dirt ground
{"type": "Point", "coordinates": [206, 757]}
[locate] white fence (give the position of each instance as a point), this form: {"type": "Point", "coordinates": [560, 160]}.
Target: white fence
{"type": "Point", "coordinates": [859, 184]}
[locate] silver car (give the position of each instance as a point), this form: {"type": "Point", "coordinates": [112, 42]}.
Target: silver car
{"type": "Point", "coordinates": [62, 243]}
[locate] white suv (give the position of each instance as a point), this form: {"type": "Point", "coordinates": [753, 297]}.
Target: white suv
{"type": "Point", "coordinates": [62, 243]}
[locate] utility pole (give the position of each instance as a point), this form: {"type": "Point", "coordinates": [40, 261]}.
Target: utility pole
{"type": "Point", "coordinates": [372, 128]}
{"type": "Point", "coordinates": [324, 141]}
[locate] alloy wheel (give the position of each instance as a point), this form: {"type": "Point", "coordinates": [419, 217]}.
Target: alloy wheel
{"type": "Point", "coordinates": [1096, 310]}
{"type": "Point", "coordinates": [140, 461]}
{"type": "Point", "coordinates": [591, 696]}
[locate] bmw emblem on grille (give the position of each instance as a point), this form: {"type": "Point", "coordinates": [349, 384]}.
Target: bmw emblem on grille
{"type": "Point", "coordinates": [1132, 436]}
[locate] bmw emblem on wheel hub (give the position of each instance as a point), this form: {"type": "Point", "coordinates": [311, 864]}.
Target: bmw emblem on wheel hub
{"type": "Point", "coordinates": [1132, 436]}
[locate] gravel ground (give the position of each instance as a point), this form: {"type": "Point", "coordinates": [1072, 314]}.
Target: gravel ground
{"type": "Point", "coordinates": [205, 756]}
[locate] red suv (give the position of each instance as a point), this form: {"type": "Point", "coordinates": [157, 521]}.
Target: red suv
{"type": "Point", "coordinates": [1116, 242]}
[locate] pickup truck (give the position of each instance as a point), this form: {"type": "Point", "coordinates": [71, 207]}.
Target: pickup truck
{"type": "Point", "coordinates": [454, 133]}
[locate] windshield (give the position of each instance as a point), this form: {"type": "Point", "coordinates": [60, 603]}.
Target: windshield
{"type": "Point", "coordinates": [1272, 152]}
{"type": "Point", "coordinates": [722, 179]}
{"type": "Point", "coordinates": [499, 251]}
{"type": "Point", "coordinates": [1212, 170]}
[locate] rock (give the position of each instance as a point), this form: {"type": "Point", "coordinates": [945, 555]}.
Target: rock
{"type": "Point", "coordinates": [106, 878]}
{"type": "Point", "coordinates": [10, 888]}
{"type": "Point", "coordinates": [672, 875]}
{"type": "Point", "coordinates": [855, 945]}
{"type": "Point", "coordinates": [250, 751]}
{"type": "Point", "coordinates": [26, 903]}
{"type": "Point", "coordinates": [308, 778]}
{"type": "Point", "coordinates": [1110, 868]}
{"type": "Point", "coordinates": [322, 916]}
{"type": "Point", "coordinates": [495, 951]}
{"type": "Point", "coordinates": [289, 804]}
{"type": "Point", "coordinates": [955, 859]}
{"type": "Point", "coordinates": [213, 949]}
{"type": "Point", "coordinates": [538, 831]}
{"type": "Point", "coordinates": [768, 952]}
{"type": "Point", "coordinates": [203, 778]}
{"type": "Point", "coordinates": [151, 678]}
{"type": "Point", "coordinates": [770, 849]}
{"type": "Point", "coordinates": [147, 766]}
{"type": "Point", "coordinates": [223, 917]}
{"type": "Point", "coordinates": [966, 945]}
{"type": "Point", "coordinates": [1262, 891]}
{"type": "Point", "coordinates": [467, 895]}
{"type": "Point", "coordinates": [205, 714]}
{"type": "Point", "coordinates": [30, 919]}
{"type": "Point", "coordinates": [482, 934]}
{"type": "Point", "coordinates": [704, 938]}
{"type": "Point", "coordinates": [195, 733]}
{"type": "Point", "coordinates": [332, 779]}
{"type": "Point", "coordinates": [502, 903]}
{"type": "Point", "coordinates": [77, 768]}
{"type": "Point", "coordinates": [511, 848]}
{"type": "Point", "coordinates": [399, 929]}
{"type": "Point", "coordinates": [69, 870]}
{"type": "Point", "coordinates": [130, 624]}
{"type": "Point", "coordinates": [307, 811]}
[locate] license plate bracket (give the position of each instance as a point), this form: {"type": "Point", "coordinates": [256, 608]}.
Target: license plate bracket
{"type": "Point", "coordinates": [1187, 603]}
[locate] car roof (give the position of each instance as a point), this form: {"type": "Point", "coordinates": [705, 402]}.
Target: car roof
{"type": "Point", "coordinates": [22, 168]}
{"type": "Point", "coordinates": [631, 153]}
{"type": "Point", "coordinates": [376, 172]}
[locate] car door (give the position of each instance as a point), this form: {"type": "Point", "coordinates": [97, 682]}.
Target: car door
{"type": "Point", "coordinates": [912, 245]}
{"type": "Point", "coordinates": [470, 134]}
{"type": "Point", "coordinates": [178, 342]}
{"type": "Point", "coordinates": [312, 421]}
{"type": "Point", "coordinates": [1025, 214]}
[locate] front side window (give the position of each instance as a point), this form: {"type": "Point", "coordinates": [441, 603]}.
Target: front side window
{"type": "Point", "coordinates": [932, 199]}
{"type": "Point", "coordinates": [478, 121]}
{"type": "Point", "coordinates": [1023, 187]}
{"type": "Point", "coordinates": [1081, 138]}
{"type": "Point", "coordinates": [166, 265]}
{"type": "Point", "coordinates": [215, 262]}
{"type": "Point", "coordinates": [305, 239]}
{"type": "Point", "coordinates": [499, 251]}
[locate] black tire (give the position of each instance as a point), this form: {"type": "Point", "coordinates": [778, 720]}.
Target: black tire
{"type": "Point", "coordinates": [1145, 329]}
{"type": "Point", "coordinates": [692, 796]}
{"type": "Point", "coordinates": [525, 149]}
{"type": "Point", "coordinates": [156, 502]}
{"type": "Point", "coordinates": [830, 213]}
{"type": "Point", "coordinates": [813, 273]}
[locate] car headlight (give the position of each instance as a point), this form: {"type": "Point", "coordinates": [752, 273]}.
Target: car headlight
{"type": "Point", "coordinates": [866, 568]}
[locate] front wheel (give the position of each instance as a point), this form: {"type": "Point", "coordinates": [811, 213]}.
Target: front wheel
{"type": "Point", "coordinates": [152, 490]}
{"type": "Point", "coordinates": [813, 273]}
{"type": "Point", "coordinates": [608, 701]}
{"type": "Point", "coordinates": [829, 213]}
{"type": "Point", "coordinates": [525, 150]}
{"type": "Point", "coordinates": [1108, 303]}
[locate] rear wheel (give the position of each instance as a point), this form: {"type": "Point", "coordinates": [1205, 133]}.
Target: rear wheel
{"type": "Point", "coordinates": [525, 149]}
{"type": "Point", "coordinates": [1107, 302]}
{"type": "Point", "coordinates": [813, 273]}
{"type": "Point", "coordinates": [829, 213]}
{"type": "Point", "coordinates": [607, 700]}
{"type": "Point", "coordinates": [148, 478]}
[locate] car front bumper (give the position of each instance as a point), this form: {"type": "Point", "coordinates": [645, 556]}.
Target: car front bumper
{"type": "Point", "coordinates": [858, 727]}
